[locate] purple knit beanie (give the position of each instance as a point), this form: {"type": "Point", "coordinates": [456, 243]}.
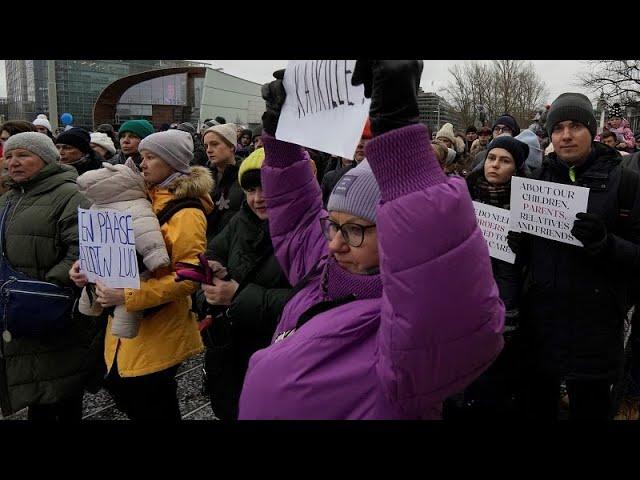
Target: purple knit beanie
{"type": "Point", "coordinates": [356, 193]}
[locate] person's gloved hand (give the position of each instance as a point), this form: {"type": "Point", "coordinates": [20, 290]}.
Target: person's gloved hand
{"type": "Point", "coordinates": [392, 86]}
{"type": "Point", "coordinates": [591, 231]}
{"type": "Point", "coordinates": [274, 96]}
{"type": "Point", "coordinates": [514, 240]}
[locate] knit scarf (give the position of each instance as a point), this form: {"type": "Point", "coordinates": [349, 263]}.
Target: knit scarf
{"type": "Point", "coordinates": [337, 282]}
{"type": "Point", "coordinates": [496, 195]}
{"type": "Point", "coordinates": [170, 179]}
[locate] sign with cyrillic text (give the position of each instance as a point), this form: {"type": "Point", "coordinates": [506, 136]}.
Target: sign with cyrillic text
{"type": "Point", "coordinates": [494, 223]}
{"type": "Point", "coordinates": [546, 209]}
{"type": "Point", "coordinates": [322, 109]}
{"type": "Point", "coordinates": [108, 248]}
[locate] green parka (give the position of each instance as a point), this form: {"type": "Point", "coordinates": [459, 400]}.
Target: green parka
{"type": "Point", "coordinates": [41, 240]}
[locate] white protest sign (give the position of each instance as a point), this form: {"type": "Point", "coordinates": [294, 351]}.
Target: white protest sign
{"type": "Point", "coordinates": [546, 209]}
{"type": "Point", "coordinates": [494, 223]}
{"type": "Point", "coordinates": [108, 248]}
{"type": "Point", "coordinates": [323, 110]}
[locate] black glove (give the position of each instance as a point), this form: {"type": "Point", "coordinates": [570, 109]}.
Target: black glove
{"type": "Point", "coordinates": [392, 86]}
{"type": "Point", "coordinates": [274, 96]}
{"type": "Point", "coordinates": [591, 231]}
{"type": "Point", "coordinates": [514, 240]}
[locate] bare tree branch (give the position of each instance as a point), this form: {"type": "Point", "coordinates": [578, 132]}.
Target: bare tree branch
{"type": "Point", "coordinates": [613, 78]}
{"type": "Point", "coordinates": [510, 86]}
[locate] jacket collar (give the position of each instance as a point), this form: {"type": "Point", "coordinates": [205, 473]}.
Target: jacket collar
{"type": "Point", "coordinates": [600, 161]}
{"type": "Point", "coordinates": [52, 175]}
{"type": "Point", "coordinates": [197, 185]}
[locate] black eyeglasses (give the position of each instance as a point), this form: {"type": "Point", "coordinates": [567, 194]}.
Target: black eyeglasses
{"type": "Point", "coordinates": [352, 233]}
{"type": "Point", "coordinates": [502, 128]}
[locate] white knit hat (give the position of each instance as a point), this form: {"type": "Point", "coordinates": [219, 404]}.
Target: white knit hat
{"type": "Point", "coordinates": [103, 140]}
{"type": "Point", "coordinates": [42, 121]}
{"type": "Point", "coordinates": [228, 131]}
{"type": "Point", "coordinates": [447, 132]}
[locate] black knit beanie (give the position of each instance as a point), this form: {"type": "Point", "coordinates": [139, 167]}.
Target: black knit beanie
{"type": "Point", "coordinates": [76, 137]}
{"type": "Point", "coordinates": [251, 179]}
{"type": "Point", "coordinates": [509, 121]}
{"type": "Point", "coordinates": [572, 106]}
{"type": "Point", "coordinates": [518, 150]}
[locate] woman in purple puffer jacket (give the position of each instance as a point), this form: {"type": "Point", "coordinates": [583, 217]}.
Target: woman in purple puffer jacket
{"type": "Point", "coordinates": [395, 306]}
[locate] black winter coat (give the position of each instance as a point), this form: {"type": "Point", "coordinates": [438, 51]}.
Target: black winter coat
{"type": "Point", "coordinates": [508, 276]}
{"type": "Point", "coordinates": [90, 161]}
{"type": "Point", "coordinates": [200, 157]}
{"type": "Point", "coordinates": [574, 304]}
{"type": "Point", "coordinates": [331, 179]}
{"type": "Point", "coordinates": [244, 247]}
{"type": "Point", "coordinates": [227, 196]}
{"type": "Point", "coordinates": [120, 158]}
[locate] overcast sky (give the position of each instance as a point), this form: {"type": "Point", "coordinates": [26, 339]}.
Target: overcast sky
{"type": "Point", "coordinates": [559, 75]}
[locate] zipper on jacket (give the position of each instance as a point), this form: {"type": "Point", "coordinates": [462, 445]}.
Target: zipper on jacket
{"type": "Point", "coordinates": [39, 293]}
{"type": "Point", "coordinates": [17, 205]}
{"type": "Point", "coordinates": [39, 282]}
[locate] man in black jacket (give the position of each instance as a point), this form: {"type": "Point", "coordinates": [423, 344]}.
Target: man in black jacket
{"type": "Point", "coordinates": [575, 298]}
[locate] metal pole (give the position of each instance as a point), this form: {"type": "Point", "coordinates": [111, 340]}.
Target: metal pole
{"type": "Point", "coordinates": [52, 94]}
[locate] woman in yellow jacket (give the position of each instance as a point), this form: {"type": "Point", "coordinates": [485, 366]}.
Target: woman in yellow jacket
{"type": "Point", "coordinates": [142, 369]}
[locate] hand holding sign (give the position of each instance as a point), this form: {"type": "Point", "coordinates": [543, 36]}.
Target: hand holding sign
{"type": "Point", "coordinates": [274, 96]}
{"type": "Point", "coordinates": [392, 86]}
{"type": "Point", "coordinates": [322, 109]}
{"type": "Point", "coordinates": [109, 297]}
{"type": "Point", "coordinates": [107, 248]}
{"type": "Point", "coordinates": [77, 277]}
{"type": "Point", "coordinates": [494, 223]}
{"type": "Point", "coordinates": [591, 231]}
{"type": "Point", "coordinates": [547, 209]}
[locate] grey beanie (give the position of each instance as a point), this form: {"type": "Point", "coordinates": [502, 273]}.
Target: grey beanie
{"type": "Point", "coordinates": [34, 142]}
{"type": "Point", "coordinates": [227, 131]}
{"type": "Point", "coordinates": [356, 193]}
{"type": "Point", "coordinates": [572, 106]}
{"type": "Point", "coordinates": [174, 147]}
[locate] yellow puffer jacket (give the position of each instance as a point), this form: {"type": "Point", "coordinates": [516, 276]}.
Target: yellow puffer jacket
{"type": "Point", "coordinates": [170, 335]}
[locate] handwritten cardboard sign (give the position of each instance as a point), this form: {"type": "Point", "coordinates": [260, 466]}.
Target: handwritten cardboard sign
{"type": "Point", "coordinates": [323, 110]}
{"type": "Point", "coordinates": [494, 223]}
{"type": "Point", "coordinates": [108, 248]}
{"type": "Point", "coordinates": [546, 209]}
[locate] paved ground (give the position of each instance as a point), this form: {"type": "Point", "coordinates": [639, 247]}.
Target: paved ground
{"type": "Point", "coordinates": [193, 405]}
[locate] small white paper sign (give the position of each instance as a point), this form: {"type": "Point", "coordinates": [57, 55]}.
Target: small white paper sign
{"type": "Point", "coordinates": [494, 223]}
{"type": "Point", "coordinates": [108, 248]}
{"type": "Point", "coordinates": [546, 209]}
{"type": "Point", "coordinates": [323, 110]}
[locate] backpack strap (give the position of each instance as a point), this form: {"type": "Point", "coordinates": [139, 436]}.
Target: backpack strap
{"type": "Point", "coordinates": [627, 192]}
{"type": "Point", "coordinates": [174, 206]}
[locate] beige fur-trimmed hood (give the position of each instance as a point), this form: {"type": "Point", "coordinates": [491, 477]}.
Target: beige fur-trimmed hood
{"type": "Point", "coordinates": [197, 184]}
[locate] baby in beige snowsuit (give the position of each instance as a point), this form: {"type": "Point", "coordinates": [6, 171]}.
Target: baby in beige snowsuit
{"type": "Point", "coordinates": [122, 188]}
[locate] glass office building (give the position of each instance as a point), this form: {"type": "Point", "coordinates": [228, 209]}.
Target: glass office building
{"type": "Point", "coordinates": [78, 83]}
{"type": "Point", "coordinates": [166, 99]}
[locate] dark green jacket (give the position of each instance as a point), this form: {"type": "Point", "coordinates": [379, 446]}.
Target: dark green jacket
{"type": "Point", "coordinates": [41, 240]}
{"type": "Point", "coordinates": [244, 247]}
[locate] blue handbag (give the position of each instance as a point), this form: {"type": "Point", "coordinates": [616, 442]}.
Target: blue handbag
{"type": "Point", "coordinates": [30, 308]}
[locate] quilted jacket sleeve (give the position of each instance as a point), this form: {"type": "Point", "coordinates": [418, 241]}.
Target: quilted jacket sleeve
{"type": "Point", "coordinates": [185, 237]}
{"type": "Point", "coordinates": [441, 315]}
{"type": "Point", "coordinates": [294, 204]}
